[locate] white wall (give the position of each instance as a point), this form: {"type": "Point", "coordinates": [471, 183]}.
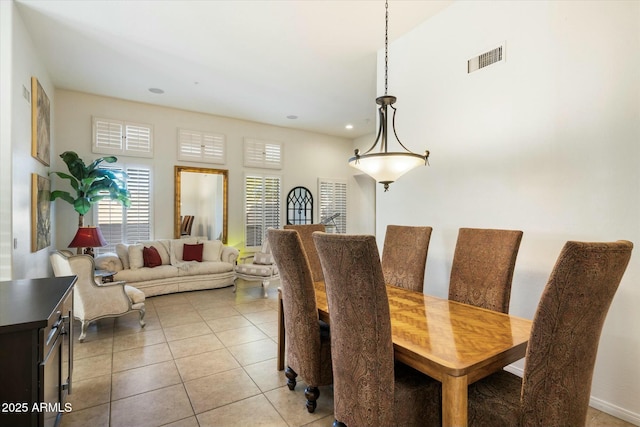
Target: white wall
{"type": "Point", "coordinates": [547, 142]}
{"type": "Point", "coordinates": [20, 62]}
{"type": "Point", "coordinates": [307, 156]}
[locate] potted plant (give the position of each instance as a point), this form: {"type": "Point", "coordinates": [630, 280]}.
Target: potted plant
{"type": "Point", "coordinates": [90, 184]}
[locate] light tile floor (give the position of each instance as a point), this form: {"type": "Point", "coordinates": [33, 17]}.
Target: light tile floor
{"type": "Point", "coordinates": [205, 358]}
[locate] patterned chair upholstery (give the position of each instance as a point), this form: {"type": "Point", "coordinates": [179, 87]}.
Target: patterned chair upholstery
{"type": "Point", "coordinates": [306, 231]}
{"type": "Point", "coordinates": [483, 265]}
{"type": "Point", "coordinates": [308, 344]}
{"type": "Point", "coordinates": [404, 256]}
{"type": "Point", "coordinates": [262, 268]}
{"type": "Point", "coordinates": [564, 340]}
{"type": "Point", "coordinates": [93, 301]}
{"type": "Point", "coordinates": [369, 388]}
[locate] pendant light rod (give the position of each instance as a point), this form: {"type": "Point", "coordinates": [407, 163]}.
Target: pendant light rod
{"type": "Point", "coordinates": [384, 166]}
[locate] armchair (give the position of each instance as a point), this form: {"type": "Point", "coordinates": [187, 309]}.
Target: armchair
{"type": "Point", "coordinates": [261, 269]}
{"type": "Point", "coordinates": [91, 300]}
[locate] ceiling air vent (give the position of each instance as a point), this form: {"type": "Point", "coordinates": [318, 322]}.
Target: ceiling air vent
{"type": "Point", "coordinates": [486, 59]}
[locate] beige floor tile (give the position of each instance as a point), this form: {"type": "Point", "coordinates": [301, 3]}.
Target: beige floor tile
{"type": "Point", "coordinates": [98, 329]}
{"type": "Point", "coordinates": [90, 392]}
{"type": "Point", "coordinates": [186, 422]}
{"type": "Point", "coordinates": [291, 404]}
{"type": "Point", "coordinates": [179, 318]}
{"type": "Point", "coordinates": [261, 414]}
{"type": "Point", "coordinates": [85, 349]}
{"type": "Point", "coordinates": [254, 352]}
{"type": "Point", "coordinates": [322, 422]}
{"type": "Point", "coordinates": [260, 317]}
{"type": "Point", "coordinates": [204, 364]}
{"type": "Point", "coordinates": [141, 356]}
{"type": "Point", "coordinates": [170, 299]}
{"type": "Point", "coordinates": [265, 375]}
{"type": "Point", "coordinates": [195, 345]}
{"type": "Point", "coordinates": [140, 339]}
{"type": "Point", "coordinates": [186, 331]}
{"type": "Point", "coordinates": [131, 324]}
{"type": "Point", "coordinates": [210, 313]}
{"type": "Point", "coordinates": [91, 367]}
{"type": "Point", "coordinates": [240, 336]}
{"type": "Point", "coordinates": [183, 307]}
{"type": "Point", "coordinates": [96, 416]}
{"type": "Point", "coordinates": [269, 328]}
{"type": "Point", "coordinates": [220, 389]}
{"type": "Point", "coordinates": [143, 379]}
{"type": "Point", "coordinates": [254, 306]}
{"type": "Point", "coordinates": [227, 323]}
{"type": "Point", "coordinates": [152, 408]}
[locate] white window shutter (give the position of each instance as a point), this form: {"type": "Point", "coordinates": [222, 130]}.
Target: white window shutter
{"type": "Point", "coordinates": [120, 137]}
{"type": "Point", "coordinates": [262, 207]}
{"type": "Point", "coordinates": [333, 200]}
{"type": "Point", "coordinates": [264, 154]}
{"type": "Point", "coordinates": [201, 146]}
{"type": "Point", "coordinates": [107, 136]}
{"type": "Point", "coordinates": [138, 140]}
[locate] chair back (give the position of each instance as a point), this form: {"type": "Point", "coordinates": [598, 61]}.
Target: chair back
{"type": "Point", "coordinates": [83, 267]}
{"type": "Point", "coordinates": [482, 268]}
{"type": "Point", "coordinates": [306, 231]}
{"type": "Point", "coordinates": [187, 224]}
{"type": "Point", "coordinates": [566, 331]}
{"type": "Point", "coordinates": [301, 320]}
{"type": "Point", "coordinates": [361, 346]}
{"type": "Point", "coordinates": [404, 256]}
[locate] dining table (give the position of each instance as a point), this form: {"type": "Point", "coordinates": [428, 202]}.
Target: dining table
{"type": "Point", "coordinates": [454, 343]}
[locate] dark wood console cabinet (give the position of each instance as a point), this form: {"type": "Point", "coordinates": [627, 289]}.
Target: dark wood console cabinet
{"type": "Point", "coordinates": [36, 350]}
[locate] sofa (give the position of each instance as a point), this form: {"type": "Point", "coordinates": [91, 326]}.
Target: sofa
{"type": "Point", "coordinates": [167, 266]}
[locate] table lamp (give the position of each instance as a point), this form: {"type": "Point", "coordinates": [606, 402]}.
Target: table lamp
{"type": "Point", "coordinates": [88, 238]}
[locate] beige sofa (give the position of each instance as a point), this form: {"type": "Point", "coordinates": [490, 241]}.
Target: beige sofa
{"type": "Point", "coordinates": [216, 270]}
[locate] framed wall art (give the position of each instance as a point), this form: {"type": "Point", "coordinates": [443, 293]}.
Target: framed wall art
{"type": "Point", "coordinates": [40, 123]}
{"type": "Point", "coordinates": [40, 212]}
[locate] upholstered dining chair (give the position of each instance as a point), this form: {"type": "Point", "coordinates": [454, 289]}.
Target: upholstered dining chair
{"type": "Point", "coordinates": [404, 256]}
{"type": "Point", "coordinates": [369, 389]}
{"type": "Point", "coordinates": [261, 268]}
{"type": "Point", "coordinates": [482, 268]}
{"type": "Point", "coordinates": [93, 301]}
{"type": "Point", "coordinates": [186, 225]}
{"type": "Point", "coordinates": [562, 349]}
{"type": "Point", "coordinates": [308, 344]}
{"type": "Point", "coordinates": [306, 231]}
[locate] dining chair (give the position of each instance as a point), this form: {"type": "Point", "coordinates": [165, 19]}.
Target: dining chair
{"type": "Point", "coordinates": [93, 301]}
{"type": "Point", "coordinates": [306, 231]}
{"type": "Point", "coordinates": [561, 354]}
{"type": "Point", "coordinates": [482, 268]}
{"type": "Point", "coordinates": [404, 256]}
{"type": "Point", "coordinates": [369, 388]}
{"type": "Point", "coordinates": [186, 225]}
{"type": "Point", "coordinates": [308, 344]}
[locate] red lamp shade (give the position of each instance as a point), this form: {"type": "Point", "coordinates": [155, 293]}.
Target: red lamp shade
{"type": "Point", "coordinates": [88, 237]}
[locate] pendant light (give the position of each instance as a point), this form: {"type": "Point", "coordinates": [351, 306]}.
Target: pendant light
{"type": "Point", "coordinates": [384, 166]}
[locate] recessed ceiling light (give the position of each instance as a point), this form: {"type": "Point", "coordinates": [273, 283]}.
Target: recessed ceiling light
{"type": "Point", "coordinates": [349, 126]}
{"type": "Point", "coordinates": [156, 90]}
{"type": "Point", "coordinates": [292, 117]}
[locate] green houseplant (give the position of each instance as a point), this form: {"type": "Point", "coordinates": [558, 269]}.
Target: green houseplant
{"type": "Point", "coordinates": [90, 184]}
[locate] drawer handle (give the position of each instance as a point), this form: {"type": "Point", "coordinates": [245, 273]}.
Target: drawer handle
{"type": "Point", "coordinates": [53, 331]}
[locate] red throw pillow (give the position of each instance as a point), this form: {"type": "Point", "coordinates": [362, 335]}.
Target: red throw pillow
{"type": "Point", "coordinates": [192, 252]}
{"type": "Point", "coordinates": [151, 257]}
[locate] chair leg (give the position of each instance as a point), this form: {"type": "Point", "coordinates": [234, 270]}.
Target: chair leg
{"type": "Point", "coordinates": [142, 322]}
{"type": "Point", "coordinates": [83, 330]}
{"type": "Point", "coordinates": [291, 377]}
{"type": "Point", "coordinates": [234, 285]}
{"type": "Point", "coordinates": [265, 285]}
{"type": "Point", "coordinates": [312, 394]}
{"type": "Point", "coordinates": [337, 423]}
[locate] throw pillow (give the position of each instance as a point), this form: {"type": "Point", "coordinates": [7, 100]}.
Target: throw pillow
{"type": "Point", "coordinates": [122, 251]}
{"type": "Point", "coordinates": [151, 257]}
{"type": "Point", "coordinates": [135, 256]}
{"type": "Point", "coordinates": [262, 258]}
{"type": "Point", "coordinates": [212, 250]}
{"type": "Point", "coordinates": [192, 252]}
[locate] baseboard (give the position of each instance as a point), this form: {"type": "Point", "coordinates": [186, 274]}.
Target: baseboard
{"type": "Point", "coordinates": [599, 404]}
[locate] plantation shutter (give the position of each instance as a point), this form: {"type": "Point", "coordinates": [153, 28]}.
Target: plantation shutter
{"type": "Point", "coordinates": [201, 147]}
{"type": "Point", "coordinates": [333, 200]}
{"type": "Point", "coordinates": [262, 207]}
{"type": "Point", "coordinates": [262, 154]}
{"type": "Point", "coordinates": [120, 137]}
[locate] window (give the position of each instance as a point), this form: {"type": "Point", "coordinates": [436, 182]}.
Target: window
{"type": "Point", "coordinates": [203, 147]}
{"type": "Point", "coordinates": [333, 204]}
{"type": "Point", "coordinates": [259, 153]}
{"type": "Point", "coordinates": [119, 137]}
{"type": "Point", "coordinates": [261, 207]}
{"type": "Point", "coordinates": [126, 225]}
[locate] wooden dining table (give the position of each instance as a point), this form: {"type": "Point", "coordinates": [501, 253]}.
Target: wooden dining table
{"type": "Point", "coordinates": [454, 343]}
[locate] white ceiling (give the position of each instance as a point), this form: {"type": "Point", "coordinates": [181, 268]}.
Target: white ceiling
{"type": "Point", "coordinates": [259, 60]}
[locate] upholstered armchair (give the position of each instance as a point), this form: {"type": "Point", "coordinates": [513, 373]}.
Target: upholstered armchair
{"type": "Point", "coordinates": [482, 268]}
{"type": "Point", "coordinates": [404, 256]}
{"type": "Point", "coordinates": [562, 349]}
{"type": "Point", "coordinates": [258, 267]}
{"type": "Point", "coordinates": [93, 301]}
{"type": "Point", "coordinates": [306, 231]}
{"type": "Point", "coordinates": [308, 343]}
{"type": "Point", "coordinates": [369, 388]}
